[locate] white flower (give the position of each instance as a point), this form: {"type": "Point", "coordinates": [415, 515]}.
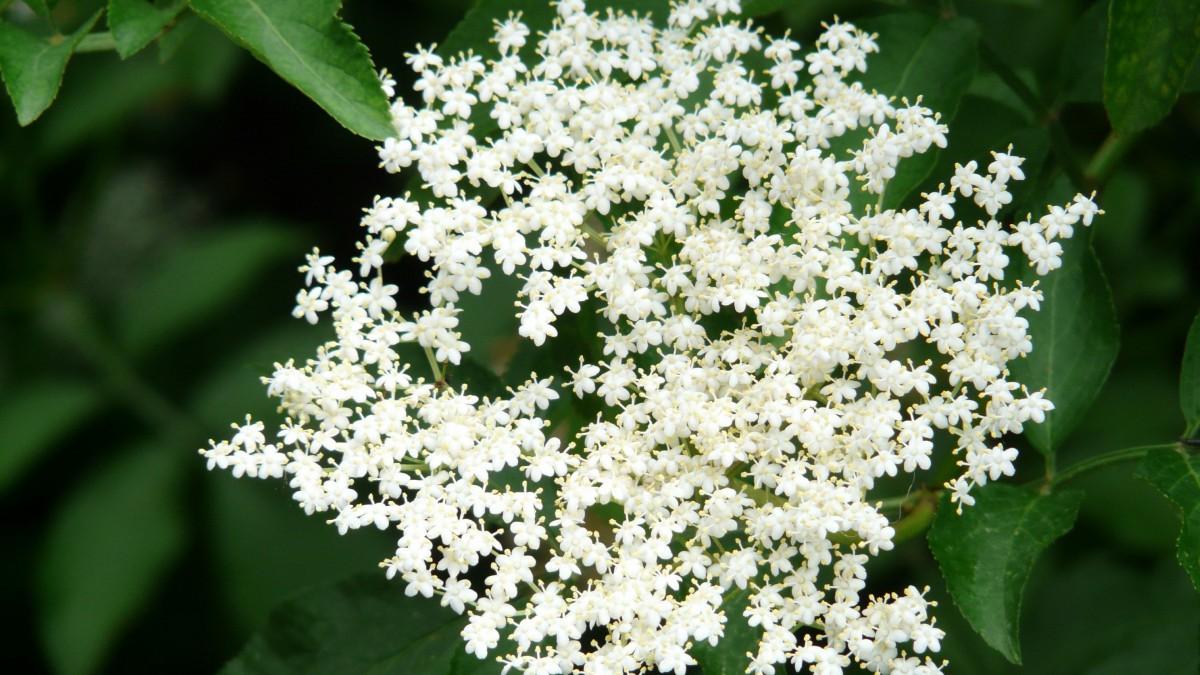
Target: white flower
{"type": "Point", "coordinates": [753, 371]}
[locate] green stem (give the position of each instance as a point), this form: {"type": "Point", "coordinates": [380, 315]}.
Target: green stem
{"type": "Point", "coordinates": [1101, 461]}
{"type": "Point", "coordinates": [674, 140]}
{"type": "Point", "coordinates": [537, 170]}
{"type": "Point", "coordinates": [96, 42]}
{"type": "Point", "coordinates": [904, 501]}
{"type": "Point", "coordinates": [1106, 158]}
{"type": "Point", "coordinates": [1194, 427]}
{"type": "Point", "coordinates": [915, 522]}
{"type": "Point", "coordinates": [434, 366]}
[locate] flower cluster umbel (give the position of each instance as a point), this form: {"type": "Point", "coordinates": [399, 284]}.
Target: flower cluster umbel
{"type": "Point", "coordinates": [773, 342]}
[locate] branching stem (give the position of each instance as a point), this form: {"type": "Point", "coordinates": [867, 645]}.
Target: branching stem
{"type": "Point", "coordinates": [1105, 161]}
{"type": "Point", "coordinates": [1102, 461]}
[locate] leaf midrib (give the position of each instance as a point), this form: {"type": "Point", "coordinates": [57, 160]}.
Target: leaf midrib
{"type": "Point", "coordinates": [297, 55]}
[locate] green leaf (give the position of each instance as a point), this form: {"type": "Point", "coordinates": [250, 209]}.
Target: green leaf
{"type": "Point", "coordinates": [987, 553]}
{"type": "Point", "coordinates": [33, 68]}
{"type": "Point", "coordinates": [174, 38]}
{"type": "Point", "coordinates": [196, 278]}
{"type": "Point", "coordinates": [35, 416]}
{"type": "Point", "coordinates": [984, 124]}
{"type": "Point", "coordinates": [1075, 339]}
{"type": "Point", "coordinates": [740, 639]}
{"type": "Point", "coordinates": [365, 624]}
{"type": "Point", "coordinates": [106, 550]}
{"type": "Point", "coordinates": [1151, 47]}
{"type": "Point", "coordinates": [1101, 611]}
{"type": "Point", "coordinates": [924, 58]}
{"type": "Point", "coordinates": [489, 316]}
{"type": "Point", "coordinates": [306, 43]}
{"type": "Point", "coordinates": [1189, 380]}
{"type": "Point", "coordinates": [1176, 474]}
{"type": "Point", "coordinates": [135, 23]}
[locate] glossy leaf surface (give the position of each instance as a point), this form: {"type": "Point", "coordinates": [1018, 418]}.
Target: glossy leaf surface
{"type": "Point", "coordinates": [987, 552]}
{"type": "Point", "coordinates": [136, 23]}
{"type": "Point", "coordinates": [33, 68]}
{"type": "Point", "coordinates": [307, 44]}
{"type": "Point", "coordinates": [1152, 45]}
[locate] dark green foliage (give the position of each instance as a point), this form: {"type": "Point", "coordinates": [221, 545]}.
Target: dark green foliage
{"type": "Point", "coordinates": [1189, 380]}
{"type": "Point", "coordinates": [144, 293]}
{"type": "Point", "coordinates": [1176, 474]}
{"type": "Point", "coordinates": [33, 67]}
{"type": "Point", "coordinates": [987, 552]}
{"type": "Point", "coordinates": [362, 625]}
{"type": "Point", "coordinates": [1152, 46]}
{"type": "Point", "coordinates": [307, 44]}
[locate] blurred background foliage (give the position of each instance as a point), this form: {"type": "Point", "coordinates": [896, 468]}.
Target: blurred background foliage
{"type": "Point", "coordinates": [153, 219]}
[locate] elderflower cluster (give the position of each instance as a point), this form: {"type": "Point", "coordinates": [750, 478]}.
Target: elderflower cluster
{"type": "Point", "coordinates": [771, 344]}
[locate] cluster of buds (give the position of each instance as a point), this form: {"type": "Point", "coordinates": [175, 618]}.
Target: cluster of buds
{"type": "Point", "coordinates": [769, 348]}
